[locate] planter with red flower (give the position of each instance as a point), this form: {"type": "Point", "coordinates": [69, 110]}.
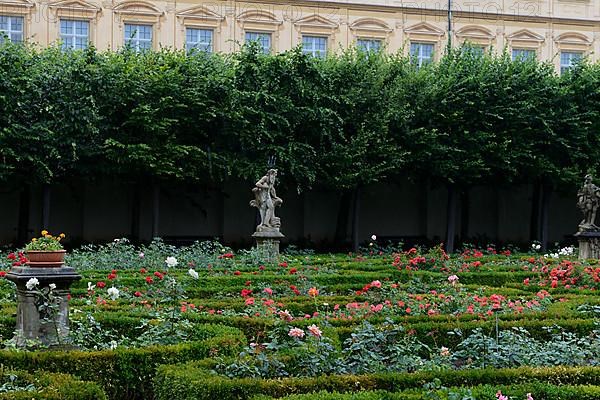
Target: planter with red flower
{"type": "Point", "coordinates": [46, 251]}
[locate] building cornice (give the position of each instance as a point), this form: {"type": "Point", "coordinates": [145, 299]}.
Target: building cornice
{"type": "Point", "coordinates": [396, 6]}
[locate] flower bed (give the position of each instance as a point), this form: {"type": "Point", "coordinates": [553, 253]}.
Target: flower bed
{"type": "Point", "coordinates": [337, 317]}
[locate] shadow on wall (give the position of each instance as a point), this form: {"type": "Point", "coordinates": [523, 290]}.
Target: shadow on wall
{"type": "Point", "coordinates": [408, 213]}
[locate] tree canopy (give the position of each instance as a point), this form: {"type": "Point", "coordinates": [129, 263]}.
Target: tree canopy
{"type": "Point", "coordinates": [349, 120]}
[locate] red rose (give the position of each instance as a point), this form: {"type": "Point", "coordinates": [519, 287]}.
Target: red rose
{"type": "Point", "coordinates": [100, 285]}
{"type": "Point", "coordinates": [143, 271]}
{"type": "Point", "coordinates": [111, 276]}
{"type": "Point", "coordinates": [237, 273]}
{"type": "Point", "coordinates": [12, 256]}
{"type": "Point", "coordinates": [137, 294]}
{"type": "Point", "coordinates": [2, 274]}
{"type": "Point", "coordinates": [149, 280]}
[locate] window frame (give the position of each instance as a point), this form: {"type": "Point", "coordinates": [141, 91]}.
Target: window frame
{"type": "Point", "coordinates": [73, 34]}
{"type": "Point", "coordinates": [532, 56]}
{"type": "Point", "coordinates": [419, 59]}
{"type": "Point", "coordinates": [260, 33]}
{"type": "Point", "coordinates": [127, 40]}
{"type": "Point", "coordinates": [564, 68]}
{"type": "Point", "coordinates": [370, 40]}
{"type": "Point", "coordinates": [10, 32]}
{"type": "Point", "coordinates": [313, 52]}
{"type": "Point", "coordinates": [211, 44]}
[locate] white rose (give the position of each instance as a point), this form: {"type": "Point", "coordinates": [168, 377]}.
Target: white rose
{"type": "Point", "coordinates": [193, 273]}
{"type": "Point", "coordinates": [33, 282]}
{"type": "Point", "coordinates": [171, 262]}
{"type": "Point", "coordinates": [52, 286]}
{"type": "Point", "coordinates": [113, 292]}
{"type": "Point", "coordinates": [373, 237]}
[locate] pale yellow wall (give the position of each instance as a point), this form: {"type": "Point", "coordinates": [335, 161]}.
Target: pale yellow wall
{"type": "Point", "coordinates": [547, 26]}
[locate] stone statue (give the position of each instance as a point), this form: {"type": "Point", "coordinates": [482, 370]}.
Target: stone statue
{"type": "Point", "coordinates": [265, 199]}
{"type": "Point", "coordinates": [588, 200]}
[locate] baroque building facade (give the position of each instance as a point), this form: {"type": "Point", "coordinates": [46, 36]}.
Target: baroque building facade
{"type": "Point", "coordinates": [559, 31]}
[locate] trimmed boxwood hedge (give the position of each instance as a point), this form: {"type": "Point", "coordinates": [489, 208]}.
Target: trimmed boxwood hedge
{"type": "Point", "coordinates": [195, 381]}
{"type": "Point", "coordinates": [538, 390]}
{"type": "Point", "coordinates": [126, 373]}
{"type": "Point", "coordinates": [52, 386]}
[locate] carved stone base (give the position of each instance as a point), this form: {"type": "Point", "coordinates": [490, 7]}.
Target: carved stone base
{"type": "Point", "coordinates": [30, 324]}
{"type": "Point", "coordinates": [267, 245]}
{"type": "Point", "coordinates": [589, 244]}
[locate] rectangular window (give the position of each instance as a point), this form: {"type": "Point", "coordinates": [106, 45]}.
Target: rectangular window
{"type": "Point", "coordinates": [74, 34]}
{"type": "Point", "coordinates": [568, 59]}
{"type": "Point", "coordinates": [200, 39]}
{"type": "Point", "coordinates": [421, 53]}
{"type": "Point", "coordinates": [263, 39]}
{"type": "Point", "coordinates": [138, 37]}
{"type": "Point", "coordinates": [12, 28]}
{"type": "Point", "coordinates": [474, 49]}
{"type": "Point", "coordinates": [316, 46]}
{"type": "Point", "coordinates": [368, 44]}
{"type": "Point", "coordinates": [523, 54]}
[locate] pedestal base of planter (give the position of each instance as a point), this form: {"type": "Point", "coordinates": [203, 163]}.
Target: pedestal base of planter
{"type": "Point", "coordinates": [31, 326]}
{"type": "Point", "coordinates": [267, 245]}
{"type": "Point", "coordinates": [589, 244]}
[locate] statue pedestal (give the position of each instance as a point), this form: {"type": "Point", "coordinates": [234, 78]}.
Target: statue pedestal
{"type": "Point", "coordinates": [267, 244]}
{"type": "Point", "coordinates": [589, 244]}
{"type": "Point", "coordinates": [30, 324]}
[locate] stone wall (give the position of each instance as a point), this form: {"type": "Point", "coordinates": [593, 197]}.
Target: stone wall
{"type": "Point", "coordinates": [103, 212]}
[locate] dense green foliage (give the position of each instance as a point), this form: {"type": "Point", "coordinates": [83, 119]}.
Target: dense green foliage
{"type": "Point", "coordinates": [339, 123]}
{"type": "Point", "coordinates": [187, 382]}
{"type": "Point", "coordinates": [20, 385]}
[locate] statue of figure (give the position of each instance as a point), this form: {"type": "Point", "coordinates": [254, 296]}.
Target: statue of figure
{"type": "Point", "coordinates": [265, 199]}
{"type": "Point", "coordinates": [588, 202]}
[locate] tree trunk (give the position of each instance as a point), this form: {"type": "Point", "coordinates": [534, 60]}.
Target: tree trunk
{"type": "Point", "coordinates": [355, 220]}
{"type": "Point", "coordinates": [135, 212]}
{"type": "Point", "coordinates": [536, 209]}
{"type": "Point", "coordinates": [23, 221]}
{"type": "Point", "coordinates": [155, 209]}
{"type": "Point", "coordinates": [453, 196]}
{"type": "Point", "coordinates": [342, 219]}
{"type": "Point", "coordinates": [46, 206]}
{"type": "Point", "coordinates": [546, 194]}
{"type": "Point", "coordinates": [465, 204]}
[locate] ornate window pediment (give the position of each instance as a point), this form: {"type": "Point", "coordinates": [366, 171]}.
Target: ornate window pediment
{"type": "Point", "coordinates": [476, 34]}
{"type": "Point", "coordinates": [370, 24]}
{"type": "Point", "coordinates": [316, 21]}
{"type": "Point", "coordinates": [525, 35]}
{"type": "Point", "coordinates": [74, 8]}
{"type": "Point", "coordinates": [258, 17]}
{"type": "Point", "coordinates": [573, 38]}
{"type": "Point", "coordinates": [426, 29]}
{"type": "Point", "coordinates": [201, 14]}
{"type": "Point", "coordinates": [138, 10]}
{"type": "Point", "coordinates": [22, 7]}
{"type": "Point", "coordinates": [371, 28]}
